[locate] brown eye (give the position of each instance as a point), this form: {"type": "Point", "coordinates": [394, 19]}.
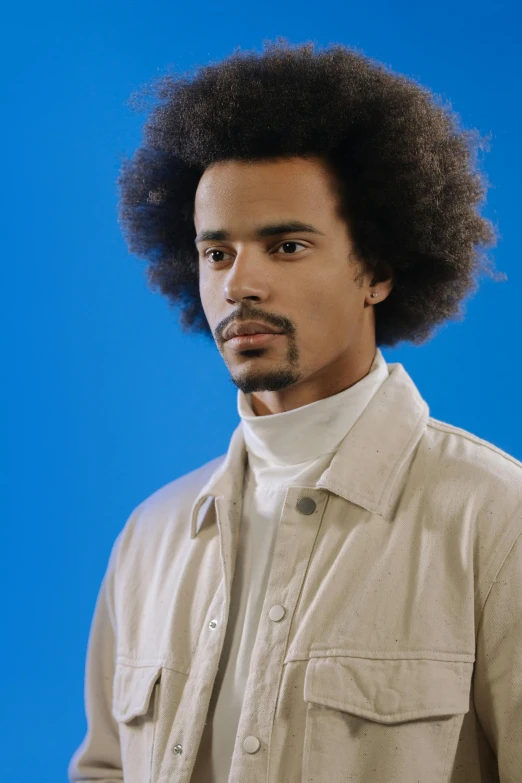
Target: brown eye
{"type": "Point", "coordinates": [291, 242]}
{"type": "Point", "coordinates": [212, 252]}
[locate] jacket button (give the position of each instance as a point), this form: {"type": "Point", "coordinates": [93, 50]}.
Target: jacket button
{"type": "Point", "coordinates": [277, 613]}
{"type": "Point", "coordinates": [251, 744]}
{"type": "Point", "coordinates": [306, 505]}
{"type": "Point", "coordinates": [178, 750]}
{"type": "Point", "coordinates": [212, 624]}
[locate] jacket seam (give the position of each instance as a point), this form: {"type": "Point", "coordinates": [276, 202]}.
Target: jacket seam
{"type": "Point", "coordinates": [495, 579]}
{"type": "Point", "coordinates": [445, 427]}
{"type": "Point", "coordinates": [146, 664]}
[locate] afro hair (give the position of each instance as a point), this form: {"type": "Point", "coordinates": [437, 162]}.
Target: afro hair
{"type": "Point", "coordinates": [409, 185]}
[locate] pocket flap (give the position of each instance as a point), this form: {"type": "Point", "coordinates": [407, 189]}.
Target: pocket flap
{"type": "Point", "coordinates": [389, 690]}
{"type": "Point", "coordinates": [132, 690]}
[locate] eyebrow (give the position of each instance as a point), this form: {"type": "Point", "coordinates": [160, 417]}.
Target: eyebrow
{"type": "Point", "coordinates": [273, 229]}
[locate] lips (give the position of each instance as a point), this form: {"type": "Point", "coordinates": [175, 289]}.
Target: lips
{"type": "Point", "coordinates": [250, 329]}
{"type": "Point", "coordinates": [246, 341]}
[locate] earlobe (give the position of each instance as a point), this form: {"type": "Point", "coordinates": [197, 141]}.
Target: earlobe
{"type": "Point", "coordinates": [386, 287]}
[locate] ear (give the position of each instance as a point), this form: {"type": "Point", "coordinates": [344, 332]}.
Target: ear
{"type": "Point", "coordinates": [382, 284]}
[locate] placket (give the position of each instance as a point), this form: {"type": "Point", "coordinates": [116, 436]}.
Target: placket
{"type": "Point", "coordinates": [301, 516]}
{"type": "Point", "coordinates": [188, 724]}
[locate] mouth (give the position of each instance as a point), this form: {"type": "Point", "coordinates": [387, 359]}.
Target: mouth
{"type": "Point", "coordinates": [253, 340]}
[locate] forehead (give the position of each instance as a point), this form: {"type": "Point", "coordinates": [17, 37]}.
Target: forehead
{"type": "Point", "coordinates": [301, 186]}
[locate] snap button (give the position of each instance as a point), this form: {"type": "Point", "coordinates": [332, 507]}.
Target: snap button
{"type": "Point", "coordinates": [277, 613]}
{"type": "Point", "coordinates": [178, 750]}
{"type": "Point", "coordinates": [306, 505]}
{"type": "Point", "coordinates": [251, 744]}
{"type": "Point", "coordinates": [212, 624]}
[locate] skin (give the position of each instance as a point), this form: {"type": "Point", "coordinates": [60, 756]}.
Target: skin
{"type": "Point", "coordinates": [310, 285]}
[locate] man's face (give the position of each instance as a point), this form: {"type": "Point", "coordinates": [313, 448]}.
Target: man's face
{"type": "Point", "coordinates": [299, 282]}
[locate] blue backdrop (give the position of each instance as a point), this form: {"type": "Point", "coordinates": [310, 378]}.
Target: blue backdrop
{"type": "Point", "coordinates": [104, 398]}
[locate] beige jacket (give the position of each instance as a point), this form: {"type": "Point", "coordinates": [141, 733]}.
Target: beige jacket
{"type": "Point", "coordinates": [389, 648]}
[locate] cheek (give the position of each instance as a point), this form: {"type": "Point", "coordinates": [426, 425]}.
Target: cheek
{"type": "Point", "coordinates": [323, 310]}
{"type": "Point", "coordinates": [206, 294]}
{"type": "Point", "coordinates": [328, 322]}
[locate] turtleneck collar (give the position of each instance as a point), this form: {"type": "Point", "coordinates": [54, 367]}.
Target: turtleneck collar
{"type": "Point", "coordinates": [313, 430]}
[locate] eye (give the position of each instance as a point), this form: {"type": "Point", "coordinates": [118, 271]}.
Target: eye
{"type": "Point", "coordinates": [291, 242]}
{"type": "Point", "coordinates": [211, 250]}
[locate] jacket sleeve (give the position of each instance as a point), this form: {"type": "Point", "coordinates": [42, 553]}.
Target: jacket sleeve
{"type": "Point", "coordinates": [498, 667]}
{"type": "Point", "coordinates": [98, 758]}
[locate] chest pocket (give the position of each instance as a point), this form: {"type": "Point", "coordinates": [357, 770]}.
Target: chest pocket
{"type": "Point", "coordinates": [134, 706]}
{"type": "Point", "coordinates": [383, 719]}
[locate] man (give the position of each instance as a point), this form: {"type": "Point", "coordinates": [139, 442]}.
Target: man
{"type": "Point", "coordinates": [339, 596]}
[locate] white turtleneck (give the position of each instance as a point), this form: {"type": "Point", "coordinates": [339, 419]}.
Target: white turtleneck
{"type": "Point", "coordinates": [284, 449]}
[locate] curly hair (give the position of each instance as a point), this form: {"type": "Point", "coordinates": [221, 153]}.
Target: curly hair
{"type": "Point", "coordinates": [409, 185]}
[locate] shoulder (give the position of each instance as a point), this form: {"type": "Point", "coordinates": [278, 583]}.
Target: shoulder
{"type": "Point", "coordinates": [163, 517]}
{"type": "Point", "coordinates": [459, 448]}
{"type": "Point", "coordinates": [472, 484]}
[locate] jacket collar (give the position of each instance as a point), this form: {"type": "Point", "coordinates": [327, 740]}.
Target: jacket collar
{"type": "Point", "coordinates": [370, 465]}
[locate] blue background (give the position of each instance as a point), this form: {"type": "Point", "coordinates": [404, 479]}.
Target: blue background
{"type": "Point", "coordinates": [105, 399]}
